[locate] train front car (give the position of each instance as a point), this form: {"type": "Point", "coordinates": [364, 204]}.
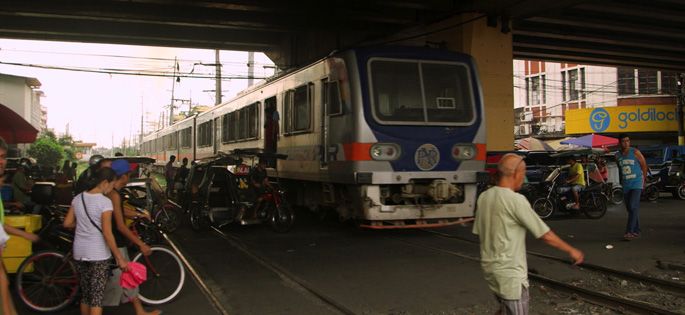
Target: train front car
{"type": "Point", "coordinates": [420, 137]}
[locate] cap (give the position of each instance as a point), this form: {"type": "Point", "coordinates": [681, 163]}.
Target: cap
{"type": "Point", "coordinates": [121, 167]}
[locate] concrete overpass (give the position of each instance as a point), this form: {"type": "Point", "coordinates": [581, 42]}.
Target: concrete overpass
{"type": "Point", "coordinates": [293, 33]}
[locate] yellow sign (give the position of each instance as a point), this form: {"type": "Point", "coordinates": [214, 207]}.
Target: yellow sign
{"type": "Point", "coordinates": [642, 118]}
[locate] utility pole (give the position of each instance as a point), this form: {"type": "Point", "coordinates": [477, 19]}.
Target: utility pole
{"type": "Point", "coordinates": [142, 117]}
{"type": "Point", "coordinates": [679, 108]}
{"type": "Point", "coordinates": [217, 63]}
{"type": "Point", "coordinates": [173, 85]}
{"type": "Point", "coordinates": [250, 68]}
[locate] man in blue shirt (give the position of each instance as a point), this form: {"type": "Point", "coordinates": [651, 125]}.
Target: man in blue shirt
{"type": "Point", "coordinates": [633, 169]}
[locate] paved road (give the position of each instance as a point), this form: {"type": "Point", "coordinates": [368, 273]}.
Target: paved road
{"type": "Point", "coordinates": [191, 300]}
{"type": "Point", "coordinates": [384, 272]}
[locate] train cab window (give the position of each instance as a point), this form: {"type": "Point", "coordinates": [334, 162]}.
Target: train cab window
{"type": "Point", "coordinates": [447, 92]}
{"type": "Point", "coordinates": [297, 108]}
{"type": "Point", "coordinates": [420, 92]}
{"type": "Point", "coordinates": [332, 98]}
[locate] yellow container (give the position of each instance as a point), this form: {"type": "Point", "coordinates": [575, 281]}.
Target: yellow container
{"type": "Point", "coordinates": [18, 248]}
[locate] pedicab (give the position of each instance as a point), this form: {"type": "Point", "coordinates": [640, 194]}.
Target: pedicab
{"type": "Point", "coordinates": [224, 194]}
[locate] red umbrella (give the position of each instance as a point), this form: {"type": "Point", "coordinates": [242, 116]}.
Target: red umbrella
{"type": "Point", "coordinates": [592, 141]}
{"type": "Point", "coordinates": [14, 128]}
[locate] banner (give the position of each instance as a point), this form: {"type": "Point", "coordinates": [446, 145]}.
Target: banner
{"type": "Point", "coordinates": [616, 119]}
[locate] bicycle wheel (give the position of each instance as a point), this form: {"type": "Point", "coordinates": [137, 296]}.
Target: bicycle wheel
{"type": "Point", "coordinates": [47, 281]}
{"type": "Point", "coordinates": [165, 276]}
{"type": "Point", "coordinates": [543, 207]}
{"type": "Point", "coordinates": [168, 218]}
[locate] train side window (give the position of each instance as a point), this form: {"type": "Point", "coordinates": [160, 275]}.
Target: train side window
{"type": "Point", "coordinates": [204, 134]}
{"type": "Point", "coordinates": [252, 113]}
{"type": "Point", "coordinates": [185, 137]}
{"type": "Point", "coordinates": [332, 99]}
{"type": "Point", "coordinates": [233, 124]}
{"type": "Point", "coordinates": [287, 109]}
{"type": "Point", "coordinates": [225, 128]}
{"type": "Point", "coordinates": [297, 108]}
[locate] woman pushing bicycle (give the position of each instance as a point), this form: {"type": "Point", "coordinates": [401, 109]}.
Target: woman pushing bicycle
{"type": "Point", "coordinates": [91, 214]}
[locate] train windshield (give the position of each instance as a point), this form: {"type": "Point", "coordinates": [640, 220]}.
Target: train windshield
{"type": "Point", "coordinates": [411, 92]}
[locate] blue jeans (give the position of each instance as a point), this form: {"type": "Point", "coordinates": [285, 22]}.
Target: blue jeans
{"type": "Point", "coordinates": [632, 201]}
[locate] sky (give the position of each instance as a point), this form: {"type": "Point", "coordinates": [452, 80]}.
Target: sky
{"type": "Point", "coordinates": [106, 107]}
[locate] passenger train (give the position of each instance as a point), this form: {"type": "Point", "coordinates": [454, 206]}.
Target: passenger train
{"type": "Point", "coordinates": [393, 137]}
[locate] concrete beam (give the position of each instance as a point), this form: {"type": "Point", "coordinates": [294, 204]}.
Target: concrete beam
{"type": "Point", "coordinates": [493, 51]}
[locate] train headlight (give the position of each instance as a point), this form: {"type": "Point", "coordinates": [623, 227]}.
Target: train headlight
{"type": "Point", "coordinates": [385, 151]}
{"type": "Point", "coordinates": [464, 152]}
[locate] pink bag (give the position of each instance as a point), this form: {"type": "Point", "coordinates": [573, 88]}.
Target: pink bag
{"type": "Point", "coordinates": [134, 276]}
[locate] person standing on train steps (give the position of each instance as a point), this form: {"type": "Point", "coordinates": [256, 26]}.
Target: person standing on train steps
{"type": "Point", "coordinates": [169, 174]}
{"type": "Point", "coordinates": [633, 169]}
{"type": "Point", "coordinates": [502, 219]}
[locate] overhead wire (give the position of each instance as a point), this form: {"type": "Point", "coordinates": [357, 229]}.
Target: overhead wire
{"type": "Point", "coordinates": [135, 72]}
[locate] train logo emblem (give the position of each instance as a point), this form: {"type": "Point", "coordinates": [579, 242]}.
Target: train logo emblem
{"type": "Point", "coordinates": [599, 119]}
{"type": "Point", "coordinates": [427, 156]}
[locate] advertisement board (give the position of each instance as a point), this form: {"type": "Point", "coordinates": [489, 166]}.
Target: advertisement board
{"type": "Point", "coordinates": [642, 118]}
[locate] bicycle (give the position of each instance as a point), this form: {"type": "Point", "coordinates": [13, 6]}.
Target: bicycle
{"type": "Point", "coordinates": [47, 281]}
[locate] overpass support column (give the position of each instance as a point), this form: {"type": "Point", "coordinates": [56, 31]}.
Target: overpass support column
{"type": "Point", "coordinates": [493, 52]}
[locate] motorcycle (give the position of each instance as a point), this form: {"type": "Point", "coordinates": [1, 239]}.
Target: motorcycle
{"type": "Point", "coordinates": [651, 190]}
{"type": "Point", "coordinates": [224, 195]}
{"type": "Point", "coordinates": [673, 179]}
{"type": "Point", "coordinates": [593, 202]}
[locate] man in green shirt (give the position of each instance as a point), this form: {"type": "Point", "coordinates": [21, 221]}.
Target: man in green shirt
{"type": "Point", "coordinates": [502, 219]}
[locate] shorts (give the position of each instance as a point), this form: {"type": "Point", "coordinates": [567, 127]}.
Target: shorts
{"type": "Point", "coordinates": [93, 276]}
{"type": "Point", "coordinates": [515, 307]}
{"type": "Point", "coordinates": [114, 293]}
{"type": "Point", "coordinates": [565, 189]}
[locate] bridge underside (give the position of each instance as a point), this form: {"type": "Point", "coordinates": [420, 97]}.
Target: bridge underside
{"type": "Point", "coordinates": [627, 32]}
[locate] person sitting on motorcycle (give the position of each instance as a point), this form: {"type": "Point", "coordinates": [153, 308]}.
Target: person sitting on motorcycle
{"type": "Point", "coordinates": [259, 181]}
{"type": "Point", "coordinates": [575, 180]}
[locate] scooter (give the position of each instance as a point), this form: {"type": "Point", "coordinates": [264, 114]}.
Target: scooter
{"type": "Point", "coordinates": [593, 202]}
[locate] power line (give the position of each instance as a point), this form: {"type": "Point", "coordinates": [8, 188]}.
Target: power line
{"type": "Point", "coordinates": [123, 56]}
{"type": "Point", "coordinates": [129, 72]}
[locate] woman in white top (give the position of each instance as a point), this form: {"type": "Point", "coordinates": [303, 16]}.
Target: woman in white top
{"type": "Point", "coordinates": [91, 214]}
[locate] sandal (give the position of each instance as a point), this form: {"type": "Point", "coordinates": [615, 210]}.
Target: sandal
{"type": "Point", "coordinates": [629, 236]}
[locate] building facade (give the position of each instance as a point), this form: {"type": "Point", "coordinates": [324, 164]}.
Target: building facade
{"type": "Point", "coordinates": [22, 95]}
{"type": "Point", "coordinates": [545, 91]}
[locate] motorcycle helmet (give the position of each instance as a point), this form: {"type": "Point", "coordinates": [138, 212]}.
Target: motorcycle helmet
{"type": "Point", "coordinates": [95, 159]}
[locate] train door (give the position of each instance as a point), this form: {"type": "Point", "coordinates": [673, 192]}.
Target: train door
{"type": "Point", "coordinates": [271, 125]}
{"type": "Point", "coordinates": [331, 107]}
{"type": "Point", "coordinates": [216, 132]}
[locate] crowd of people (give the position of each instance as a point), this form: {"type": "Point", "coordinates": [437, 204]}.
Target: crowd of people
{"type": "Point", "coordinates": [101, 236]}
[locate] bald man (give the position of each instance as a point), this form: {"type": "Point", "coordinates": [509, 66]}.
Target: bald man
{"type": "Point", "coordinates": [502, 219]}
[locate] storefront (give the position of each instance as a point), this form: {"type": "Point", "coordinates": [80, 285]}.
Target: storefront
{"type": "Point", "coordinates": [646, 124]}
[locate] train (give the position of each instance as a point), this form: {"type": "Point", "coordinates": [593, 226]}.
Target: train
{"type": "Point", "coordinates": [391, 137]}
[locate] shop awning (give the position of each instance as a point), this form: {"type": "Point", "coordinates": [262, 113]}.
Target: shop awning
{"type": "Point", "coordinates": [14, 128]}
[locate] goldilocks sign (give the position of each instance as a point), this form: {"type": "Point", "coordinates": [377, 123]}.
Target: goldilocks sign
{"type": "Point", "coordinates": [642, 118]}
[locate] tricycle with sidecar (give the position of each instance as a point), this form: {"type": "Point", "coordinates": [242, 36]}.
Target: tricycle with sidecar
{"type": "Point", "coordinates": [219, 192]}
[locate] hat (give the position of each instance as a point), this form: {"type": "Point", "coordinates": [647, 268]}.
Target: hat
{"type": "Point", "coordinates": [134, 276]}
{"type": "Point", "coordinates": [121, 167]}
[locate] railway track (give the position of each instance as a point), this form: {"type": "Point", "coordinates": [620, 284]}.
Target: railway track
{"type": "Point", "coordinates": [295, 281]}
{"type": "Point", "coordinates": [617, 301]}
